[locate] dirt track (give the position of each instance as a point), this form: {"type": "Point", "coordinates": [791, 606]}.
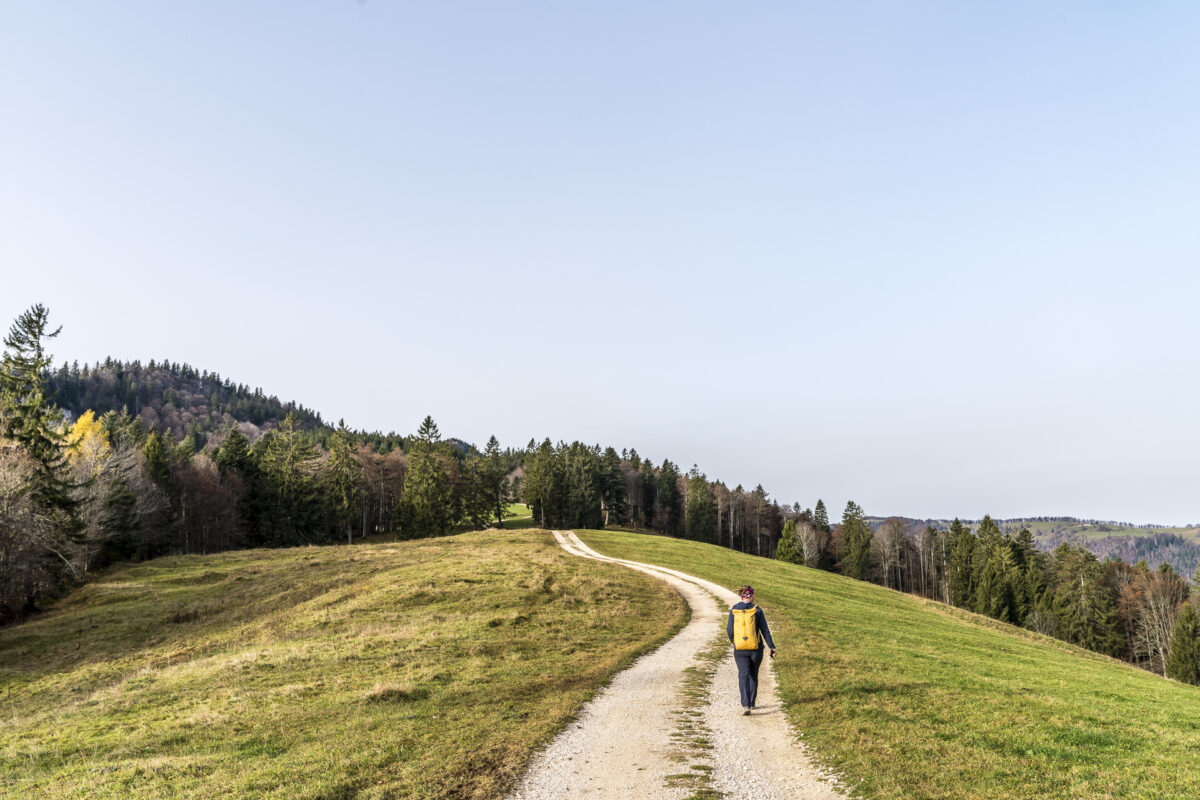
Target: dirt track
{"type": "Point", "coordinates": [628, 743]}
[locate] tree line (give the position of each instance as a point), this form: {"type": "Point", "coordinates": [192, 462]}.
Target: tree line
{"type": "Point", "coordinates": [1146, 617]}
{"type": "Point", "coordinates": [76, 495]}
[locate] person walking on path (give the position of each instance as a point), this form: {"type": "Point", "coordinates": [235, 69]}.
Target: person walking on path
{"type": "Point", "coordinates": [752, 634]}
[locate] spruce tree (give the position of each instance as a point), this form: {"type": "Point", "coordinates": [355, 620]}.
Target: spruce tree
{"type": "Point", "coordinates": [538, 487]}
{"type": "Point", "coordinates": [786, 550]}
{"type": "Point", "coordinates": [701, 512]}
{"type": "Point", "coordinates": [287, 464]}
{"type": "Point", "coordinates": [856, 542]}
{"type": "Point", "coordinates": [427, 505]}
{"type": "Point", "coordinates": [649, 491]}
{"type": "Point", "coordinates": [821, 517]}
{"type": "Point", "coordinates": [494, 479]}
{"type": "Point", "coordinates": [29, 418]}
{"type": "Point", "coordinates": [670, 504]}
{"type": "Point", "coordinates": [962, 555]}
{"type": "Point", "coordinates": [613, 490]}
{"type": "Point", "coordinates": [344, 480]}
{"type": "Point", "coordinates": [1183, 663]}
{"type": "Point", "coordinates": [1084, 607]}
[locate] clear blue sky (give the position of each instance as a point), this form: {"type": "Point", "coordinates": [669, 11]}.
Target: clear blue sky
{"type": "Point", "coordinates": [939, 258]}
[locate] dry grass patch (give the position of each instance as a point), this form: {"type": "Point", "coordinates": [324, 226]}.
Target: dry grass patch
{"type": "Point", "coordinates": [372, 671]}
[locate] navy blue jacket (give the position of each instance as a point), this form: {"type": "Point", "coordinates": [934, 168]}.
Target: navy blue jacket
{"type": "Point", "coordinates": [760, 619]}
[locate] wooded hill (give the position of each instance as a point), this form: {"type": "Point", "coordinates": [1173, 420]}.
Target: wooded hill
{"type": "Point", "coordinates": [1176, 546]}
{"type": "Point", "coordinates": [140, 484]}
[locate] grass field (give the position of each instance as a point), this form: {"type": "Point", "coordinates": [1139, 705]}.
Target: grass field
{"type": "Point", "coordinates": [911, 699]}
{"type": "Point", "coordinates": [426, 669]}
{"type": "Point", "coordinates": [522, 517]}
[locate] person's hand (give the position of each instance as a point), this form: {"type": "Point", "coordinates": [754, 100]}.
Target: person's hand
{"type": "Point", "coordinates": [772, 654]}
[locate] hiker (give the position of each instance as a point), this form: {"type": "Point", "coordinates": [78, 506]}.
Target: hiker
{"type": "Point", "coordinates": [748, 631]}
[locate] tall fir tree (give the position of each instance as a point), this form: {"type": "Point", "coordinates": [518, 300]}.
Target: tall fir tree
{"type": "Point", "coordinates": [701, 512]}
{"type": "Point", "coordinates": [670, 504]}
{"type": "Point", "coordinates": [856, 542]}
{"type": "Point", "coordinates": [29, 418]}
{"type": "Point", "coordinates": [344, 481]}
{"type": "Point", "coordinates": [287, 463]}
{"type": "Point", "coordinates": [427, 506]}
{"type": "Point", "coordinates": [821, 517]}
{"type": "Point", "coordinates": [787, 550]}
{"type": "Point", "coordinates": [962, 545]}
{"type": "Point", "coordinates": [494, 477]}
{"type": "Point", "coordinates": [1183, 662]}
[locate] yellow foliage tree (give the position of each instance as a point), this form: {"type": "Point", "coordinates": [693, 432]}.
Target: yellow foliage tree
{"type": "Point", "coordinates": [88, 442]}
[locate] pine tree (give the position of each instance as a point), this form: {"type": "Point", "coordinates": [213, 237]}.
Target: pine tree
{"type": "Point", "coordinates": [1183, 663]}
{"type": "Point", "coordinates": [701, 523]}
{"type": "Point", "coordinates": [786, 550]}
{"type": "Point", "coordinates": [427, 506]}
{"type": "Point", "coordinates": [649, 491]}
{"type": "Point", "coordinates": [344, 480]}
{"type": "Point", "coordinates": [538, 488]}
{"type": "Point", "coordinates": [670, 506]}
{"type": "Point", "coordinates": [821, 517]}
{"type": "Point", "coordinates": [287, 464]}
{"type": "Point", "coordinates": [612, 486]}
{"type": "Point", "coordinates": [494, 479]}
{"type": "Point", "coordinates": [962, 554]}
{"type": "Point", "coordinates": [856, 542]}
{"type": "Point", "coordinates": [1085, 610]}
{"type": "Point", "coordinates": [29, 418]}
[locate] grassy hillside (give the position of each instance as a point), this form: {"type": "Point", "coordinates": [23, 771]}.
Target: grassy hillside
{"type": "Point", "coordinates": [425, 669]}
{"type": "Point", "coordinates": [911, 699]}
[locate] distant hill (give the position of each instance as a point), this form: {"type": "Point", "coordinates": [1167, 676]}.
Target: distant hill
{"type": "Point", "coordinates": [172, 397]}
{"type": "Point", "coordinates": [1157, 544]}
{"type": "Point", "coordinates": [185, 401]}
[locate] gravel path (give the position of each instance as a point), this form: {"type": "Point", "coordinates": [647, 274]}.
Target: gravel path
{"type": "Point", "coordinates": [624, 743]}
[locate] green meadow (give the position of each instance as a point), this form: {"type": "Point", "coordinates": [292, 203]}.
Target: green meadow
{"type": "Point", "coordinates": [426, 669]}
{"type": "Point", "coordinates": [907, 698]}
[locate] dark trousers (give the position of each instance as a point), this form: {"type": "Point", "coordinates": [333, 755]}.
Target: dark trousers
{"type": "Point", "coordinates": [748, 662]}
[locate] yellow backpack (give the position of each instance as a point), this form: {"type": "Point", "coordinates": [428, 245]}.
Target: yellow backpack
{"type": "Point", "coordinates": [745, 628]}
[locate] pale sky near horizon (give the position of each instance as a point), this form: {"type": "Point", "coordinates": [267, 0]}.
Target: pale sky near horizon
{"type": "Point", "coordinates": [939, 258]}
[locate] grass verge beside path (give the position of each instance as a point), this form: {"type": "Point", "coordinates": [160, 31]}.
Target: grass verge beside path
{"type": "Point", "coordinates": [427, 669]}
{"type": "Point", "coordinates": [907, 698]}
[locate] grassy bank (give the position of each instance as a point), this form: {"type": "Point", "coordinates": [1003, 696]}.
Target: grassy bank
{"type": "Point", "coordinates": [425, 669]}
{"type": "Point", "coordinates": [911, 699]}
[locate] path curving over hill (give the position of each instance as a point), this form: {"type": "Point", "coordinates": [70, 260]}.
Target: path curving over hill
{"type": "Point", "coordinates": [631, 740]}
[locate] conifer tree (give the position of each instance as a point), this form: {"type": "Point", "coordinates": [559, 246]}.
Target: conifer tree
{"type": "Point", "coordinates": [1183, 663]}
{"type": "Point", "coordinates": [649, 490]}
{"type": "Point", "coordinates": [612, 486]}
{"type": "Point", "coordinates": [427, 505]}
{"type": "Point", "coordinates": [962, 555]}
{"type": "Point", "coordinates": [670, 506]}
{"type": "Point", "coordinates": [495, 481]}
{"type": "Point", "coordinates": [344, 480]}
{"type": "Point", "coordinates": [1085, 610]}
{"type": "Point", "coordinates": [821, 517]}
{"type": "Point", "coordinates": [538, 487]}
{"type": "Point", "coordinates": [287, 464]}
{"type": "Point", "coordinates": [786, 550]}
{"type": "Point", "coordinates": [29, 418]}
{"type": "Point", "coordinates": [856, 542]}
{"type": "Point", "coordinates": [701, 523]}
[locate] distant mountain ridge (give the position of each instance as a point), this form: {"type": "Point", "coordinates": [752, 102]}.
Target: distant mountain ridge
{"type": "Point", "coordinates": [1178, 546]}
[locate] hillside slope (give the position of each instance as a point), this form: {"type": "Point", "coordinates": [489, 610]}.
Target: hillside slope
{"type": "Point", "coordinates": [908, 698]}
{"type": "Point", "coordinates": [426, 669]}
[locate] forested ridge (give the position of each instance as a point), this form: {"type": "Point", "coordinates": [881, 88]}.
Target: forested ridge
{"type": "Point", "coordinates": [162, 459]}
